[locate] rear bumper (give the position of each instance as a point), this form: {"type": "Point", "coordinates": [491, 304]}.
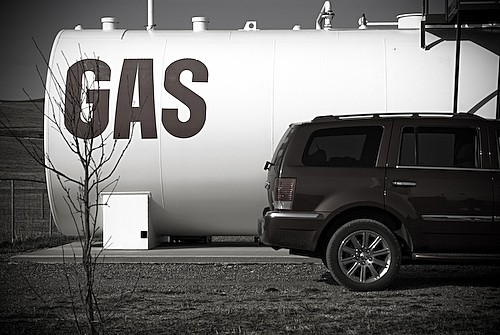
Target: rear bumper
{"type": "Point", "coordinates": [291, 230]}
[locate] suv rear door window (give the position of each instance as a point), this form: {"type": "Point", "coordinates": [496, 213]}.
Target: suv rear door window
{"type": "Point", "coordinates": [439, 147]}
{"type": "Point", "coordinates": [343, 147]}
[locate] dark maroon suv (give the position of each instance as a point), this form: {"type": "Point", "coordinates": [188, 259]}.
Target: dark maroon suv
{"type": "Point", "coordinates": [366, 193]}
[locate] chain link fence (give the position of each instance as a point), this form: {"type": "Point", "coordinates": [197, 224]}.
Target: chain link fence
{"type": "Point", "coordinates": [24, 210]}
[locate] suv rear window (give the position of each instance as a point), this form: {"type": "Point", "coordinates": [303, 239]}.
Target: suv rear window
{"type": "Point", "coordinates": [439, 147]}
{"type": "Point", "coordinates": [343, 147]}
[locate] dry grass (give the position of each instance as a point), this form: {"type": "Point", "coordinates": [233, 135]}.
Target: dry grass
{"type": "Point", "coordinates": [8, 249]}
{"type": "Point", "coordinates": [255, 299]}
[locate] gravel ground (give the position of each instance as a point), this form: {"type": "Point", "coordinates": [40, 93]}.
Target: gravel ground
{"type": "Point", "coordinates": [251, 299]}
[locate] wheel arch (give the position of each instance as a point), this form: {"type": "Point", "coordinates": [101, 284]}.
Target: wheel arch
{"type": "Point", "coordinates": [365, 212]}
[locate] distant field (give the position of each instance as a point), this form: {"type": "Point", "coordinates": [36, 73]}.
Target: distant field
{"type": "Point", "coordinates": [26, 119]}
{"type": "Point", "coordinates": [24, 115]}
{"type": "Point", "coordinates": [31, 208]}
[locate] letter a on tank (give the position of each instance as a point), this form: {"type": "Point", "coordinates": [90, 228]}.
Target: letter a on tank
{"type": "Point", "coordinates": [140, 70]}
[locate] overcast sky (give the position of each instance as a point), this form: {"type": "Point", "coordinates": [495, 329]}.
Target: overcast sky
{"type": "Point", "coordinates": [21, 21]}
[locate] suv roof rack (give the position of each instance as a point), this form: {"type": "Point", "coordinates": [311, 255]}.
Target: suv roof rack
{"type": "Point", "coordinates": [327, 118]}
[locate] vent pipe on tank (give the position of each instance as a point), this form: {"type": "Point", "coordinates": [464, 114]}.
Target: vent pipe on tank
{"type": "Point", "coordinates": [200, 23]}
{"type": "Point", "coordinates": [325, 17]}
{"type": "Point", "coordinates": [362, 22]}
{"type": "Point", "coordinates": [405, 21]}
{"type": "Point", "coordinates": [151, 25]}
{"type": "Point", "coordinates": [109, 23]}
{"type": "Point", "coordinates": [409, 21]}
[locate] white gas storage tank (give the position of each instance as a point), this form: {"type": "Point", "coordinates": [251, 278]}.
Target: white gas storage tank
{"type": "Point", "coordinates": [204, 109]}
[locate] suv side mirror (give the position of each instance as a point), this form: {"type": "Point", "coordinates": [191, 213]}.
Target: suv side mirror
{"type": "Point", "coordinates": [268, 165]}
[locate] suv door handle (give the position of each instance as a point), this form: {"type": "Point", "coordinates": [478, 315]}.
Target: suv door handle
{"type": "Point", "coordinates": [400, 183]}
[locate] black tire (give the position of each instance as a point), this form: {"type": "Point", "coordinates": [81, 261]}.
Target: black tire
{"type": "Point", "coordinates": [363, 255]}
{"type": "Point", "coordinates": [325, 262]}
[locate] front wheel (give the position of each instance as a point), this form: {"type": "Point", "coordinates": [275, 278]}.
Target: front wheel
{"type": "Point", "coordinates": [363, 255]}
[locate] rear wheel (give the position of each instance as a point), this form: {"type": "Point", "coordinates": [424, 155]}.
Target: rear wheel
{"type": "Point", "coordinates": [363, 255]}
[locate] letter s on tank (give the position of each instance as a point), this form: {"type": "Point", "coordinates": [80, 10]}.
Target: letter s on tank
{"type": "Point", "coordinates": [100, 97]}
{"type": "Point", "coordinates": [194, 102]}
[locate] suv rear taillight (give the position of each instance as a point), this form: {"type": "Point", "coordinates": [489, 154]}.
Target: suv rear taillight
{"type": "Point", "coordinates": [283, 193]}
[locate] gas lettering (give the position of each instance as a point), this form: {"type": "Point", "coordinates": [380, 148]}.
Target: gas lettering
{"type": "Point", "coordinates": [136, 80]}
{"type": "Point", "coordinates": [194, 102]}
{"type": "Point", "coordinates": [93, 125]}
{"type": "Point", "coordinates": [132, 70]}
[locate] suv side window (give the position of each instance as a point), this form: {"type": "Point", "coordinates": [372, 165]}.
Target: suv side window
{"type": "Point", "coordinates": [343, 147]}
{"type": "Point", "coordinates": [281, 147]}
{"type": "Point", "coordinates": [439, 147]}
{"type": "Point", "coordinates": [498, 146]}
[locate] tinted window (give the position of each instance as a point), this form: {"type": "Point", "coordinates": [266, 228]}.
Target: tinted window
{"type": "Point", "coordinates": [498, 146]}
{"type": "Point", "coordinates": [439, 147]}
{"type": "Point", "coordinates": [280, 149]}
{"type": "Point", "coordinates": [343, 147]}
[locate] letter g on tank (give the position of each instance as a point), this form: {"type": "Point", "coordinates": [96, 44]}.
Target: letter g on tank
{"type": "Point", "coordinates": [77, 88]}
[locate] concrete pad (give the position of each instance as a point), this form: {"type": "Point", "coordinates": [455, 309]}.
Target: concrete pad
{"type": "Point", "coordinates": [170, 253]}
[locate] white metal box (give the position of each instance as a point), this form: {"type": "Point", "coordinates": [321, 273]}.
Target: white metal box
{"type": "Point", "coordinates": [126, 221]}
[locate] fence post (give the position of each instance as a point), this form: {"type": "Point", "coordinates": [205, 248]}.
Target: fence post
{"type": "Point", "coordinates": [50, 213]}
{"type": "Point", "coordinates": [12, 210]}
